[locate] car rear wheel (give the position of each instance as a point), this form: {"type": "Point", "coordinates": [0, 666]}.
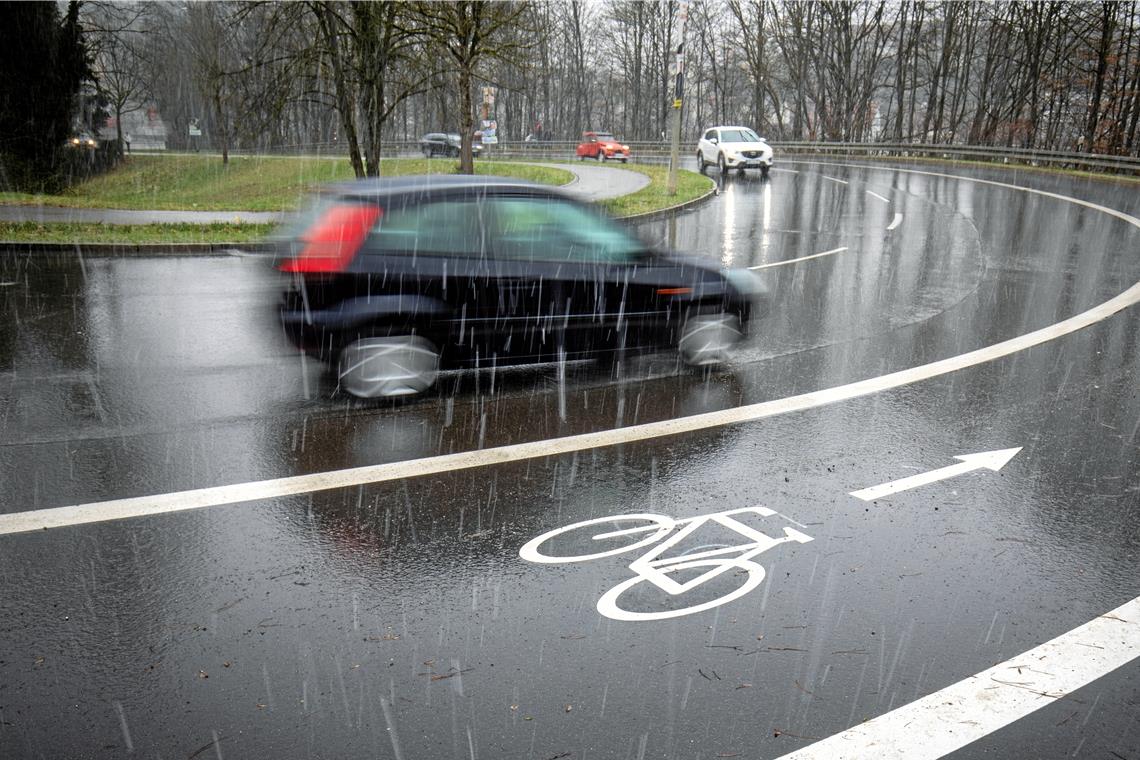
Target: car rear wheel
{"type": "Point", "coordinates": [601, 156]}
{"type": "Point", "coordinates": [708, 338]}
{"type": "Point", "coordinates": [720, 163]}
{"type": "Point", "coordinates": [388, 366]}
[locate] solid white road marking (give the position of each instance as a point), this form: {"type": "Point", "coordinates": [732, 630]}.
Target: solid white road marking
{"type": "Point", "coordinates": [873, 194]}
{"type": "Point", "coordinates": [801, 258]}
{"type": "Point", "coordinates": [990, 460]}
{"type": "Point", "coordinates": [951, 718]}
{"type": "Point", "coordinates": [834, 179]}
{"type": "Point", "coordinates": [895, 222]}
{"type": "Point", "coordinates": [42, 519]}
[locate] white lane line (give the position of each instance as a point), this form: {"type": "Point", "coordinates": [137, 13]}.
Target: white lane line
{"type": "Point", "coordinates": [832, 252]}
{"type": "Point", "coordinates": [42, 519]}
{"type": "Point", "coordinates": [971, 709]}
{"type": "Point", "coordinates": [786, 171]}
{"type": "Point", "coordinates": [873, 194]}
{"type": "Point", "coordinates": [895, 222]}
{"type": "Point", "coordinates": [834, 179]}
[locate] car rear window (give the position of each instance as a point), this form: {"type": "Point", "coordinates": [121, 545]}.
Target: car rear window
{"type": "Point", "coordinates": [539, 229]}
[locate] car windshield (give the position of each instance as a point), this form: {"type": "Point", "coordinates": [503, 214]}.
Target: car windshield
{"type": "Point", "coordinates": [738, 135]}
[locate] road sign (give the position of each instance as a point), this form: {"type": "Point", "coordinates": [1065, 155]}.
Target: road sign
{"type": "Point", "coordinates": [490, 132]}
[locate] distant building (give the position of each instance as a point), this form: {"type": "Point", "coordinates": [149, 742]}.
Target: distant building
{"type": "Point", "coordinates": [144, 125]}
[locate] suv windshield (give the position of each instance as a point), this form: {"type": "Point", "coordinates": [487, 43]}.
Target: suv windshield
{"type": "Point", "coordinates": [738, 135]}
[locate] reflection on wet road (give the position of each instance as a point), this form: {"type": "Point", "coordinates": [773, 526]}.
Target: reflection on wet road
{"type": "Point", "coordinates": [398, 619]}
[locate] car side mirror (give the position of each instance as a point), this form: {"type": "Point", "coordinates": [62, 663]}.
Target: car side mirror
{"type": "Point", "coordinates": [713, 140]}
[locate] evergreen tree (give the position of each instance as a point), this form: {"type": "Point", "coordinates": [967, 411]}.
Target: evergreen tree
{"type": "Point", "coordinates": [45, 62]}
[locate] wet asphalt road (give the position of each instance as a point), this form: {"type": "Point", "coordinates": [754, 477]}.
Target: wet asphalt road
{"type": "Point", "coordinates": [399, 620]}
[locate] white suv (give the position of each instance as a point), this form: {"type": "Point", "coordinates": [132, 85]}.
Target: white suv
{"type": "Point", "coordinates": [734, 148]}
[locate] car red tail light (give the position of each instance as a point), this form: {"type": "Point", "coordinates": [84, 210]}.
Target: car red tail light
{"type": "Point", "coordinates": [333, 240]}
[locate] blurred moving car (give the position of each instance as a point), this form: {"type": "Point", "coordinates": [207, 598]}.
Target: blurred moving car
{"type": "Point", "coordinates": [82, 140]}
{"type": "Point", "coordinates": [601, 146]}
{"type": "Point", "coordinates": [443, 144]}
{"type": "Point", "coordinates": [393, 279]}
{"type": "Point", "coordinates": [734, 148]}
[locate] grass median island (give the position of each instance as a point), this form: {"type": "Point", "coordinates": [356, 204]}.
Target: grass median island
{"type": "Point", "coordinates": [653, 197]}
{"type": "Point", "coordinates": [132, 234]}
{"type": "Point", "coordinates": [247, 183]}
{"type": "Point", "coordinates": [203, 183]}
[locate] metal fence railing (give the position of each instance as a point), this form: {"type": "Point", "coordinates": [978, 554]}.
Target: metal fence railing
{"type": "Point", "coordinates": [1055, 159]}
{"type": "Point", "coordinates": [657, 151]}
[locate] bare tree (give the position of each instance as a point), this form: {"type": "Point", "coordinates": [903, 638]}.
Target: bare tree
{"type": "Point", "coordinates": [470, 33]}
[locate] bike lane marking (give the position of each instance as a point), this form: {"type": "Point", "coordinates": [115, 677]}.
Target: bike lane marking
{"type": "Point", "coordinates": [973, 708]}
{"type": "Point", "coordinates": [140, 506]}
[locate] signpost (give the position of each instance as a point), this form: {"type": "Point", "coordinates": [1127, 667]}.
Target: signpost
{"type": "Point", "coordinates": [678, 94]}
{"type": "Point", "coordinates": [489, 126]}
{"type": "Point", "coordinates": [195, 134]}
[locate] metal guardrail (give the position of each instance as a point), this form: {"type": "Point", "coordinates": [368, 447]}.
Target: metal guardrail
{"type": "Point", "coordinates": [656, 151]}
{"type": "Point", "coordinates": [1056, 159]}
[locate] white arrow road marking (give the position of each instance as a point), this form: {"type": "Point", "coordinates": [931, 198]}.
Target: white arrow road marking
{"type": "Point", "coordinates": [835, 179]}
{"type": "Point", "coordinates": [989, 460]}
{"type": "Point", "coordinates": [832, 252]}
{"type": "Point", "coordinates": [895, 222]}
{"type": "Point", "coordinates": [971, 709]}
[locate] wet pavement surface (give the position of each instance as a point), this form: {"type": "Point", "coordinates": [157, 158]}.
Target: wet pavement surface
{"type": "Point", "coordinates": [399, 620]}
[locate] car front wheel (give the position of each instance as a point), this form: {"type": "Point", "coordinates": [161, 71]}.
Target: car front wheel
{"type": "Point", "coordinates": [388, 366]}
{"type": "Point", "coordinates": [601, 155]}
{"type": "Point", "coordinates": [720, 163]}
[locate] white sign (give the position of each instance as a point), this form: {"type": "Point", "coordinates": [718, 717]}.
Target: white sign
{"type": "Point", "coordinates": [195, 131]}
{"type": "Point", "coordinates": [662, 533]}
{"type": "Point", "coordinates": [490, 132]}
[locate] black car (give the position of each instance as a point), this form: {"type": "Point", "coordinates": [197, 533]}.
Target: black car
{"type": "Point", "coordinates": [394, 279]}
{"type": "Point", "coordinates": [441, 144]}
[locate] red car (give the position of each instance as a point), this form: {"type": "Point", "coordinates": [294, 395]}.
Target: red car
{"type": "Point", "coordinates": [601, 146]}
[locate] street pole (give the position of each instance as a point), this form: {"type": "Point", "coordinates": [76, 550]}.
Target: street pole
{"type": "Point", "coordinates": [678, 94]}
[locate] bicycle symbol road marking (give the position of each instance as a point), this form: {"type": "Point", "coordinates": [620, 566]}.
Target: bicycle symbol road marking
{"type": "Point", "coordinates": [650, 567]}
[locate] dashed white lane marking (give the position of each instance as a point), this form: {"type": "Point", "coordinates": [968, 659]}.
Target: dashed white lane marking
{"type": "Point", "coordinates": [971, 709]}
{"type": "Point", "coordinates": [42, 519]}
{"type": "Point", "coordinates": [873, 194]}
{"type": "Point", "coordinates": [832, 252]}
{"type": "Point", "coordinates": [895, 222]}
{"type": "Point", "coordinates": [834, 179]}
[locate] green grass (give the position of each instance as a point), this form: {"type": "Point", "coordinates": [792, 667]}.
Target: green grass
{"type": "Point", "coordinates": [653, 197]}
{"type": "Point", "coordinates": [203, 183]}
{"type": "Point", "coordinates": [265, 183]}
{"type": "Point", "coordinates": [132, 234]}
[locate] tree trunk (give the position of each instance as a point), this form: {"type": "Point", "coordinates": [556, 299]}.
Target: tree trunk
{"type": "Point", "coordinates": [466, 120]}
